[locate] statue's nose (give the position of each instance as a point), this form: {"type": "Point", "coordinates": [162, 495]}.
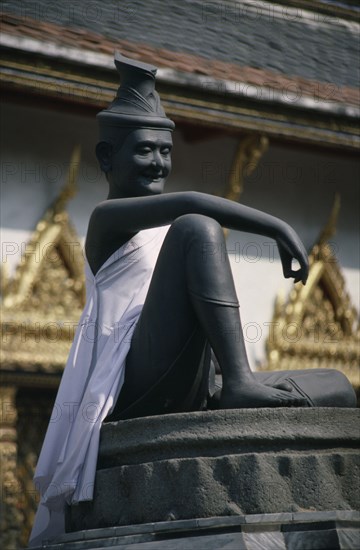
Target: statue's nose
{"type": "Point", "coordinates": [157, 160]}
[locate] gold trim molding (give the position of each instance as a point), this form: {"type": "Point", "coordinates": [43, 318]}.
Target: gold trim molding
{"type": "Point", "coordinates": [317, 326]}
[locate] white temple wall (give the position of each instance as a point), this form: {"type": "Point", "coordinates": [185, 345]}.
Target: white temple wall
{"type": "Point", "coordinates": [295, 184]}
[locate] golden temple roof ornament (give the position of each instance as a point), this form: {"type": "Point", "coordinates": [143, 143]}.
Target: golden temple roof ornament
{"type": "Point", "coordinates": [43, 301]}
{"type": "Point", "coordinates": [317, 326]}
{"type": "Point", "coordinates": [247, 156]}
{"type": "Point", "coordinates": [53, 231]}
{"type": "Point", "coordinates": [249, 152]}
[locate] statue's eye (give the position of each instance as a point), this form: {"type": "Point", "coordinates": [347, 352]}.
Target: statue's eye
{"type": "Point", "coordinates": [145, 150]}
{"type": "Point", "coordinates": [166, 151]}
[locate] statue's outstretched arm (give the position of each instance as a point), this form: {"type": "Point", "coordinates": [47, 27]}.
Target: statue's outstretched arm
{"type": "Point", "coordinates": [116, 217]}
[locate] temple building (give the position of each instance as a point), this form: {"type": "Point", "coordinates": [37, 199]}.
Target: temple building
{"type": "Point", "coordinates": [265, 99]}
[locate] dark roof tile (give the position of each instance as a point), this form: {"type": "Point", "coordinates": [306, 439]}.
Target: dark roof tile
{"type": "Point", "coordinates": [289, 40]}
{"type": "Point", "coordinates": [213, 68]}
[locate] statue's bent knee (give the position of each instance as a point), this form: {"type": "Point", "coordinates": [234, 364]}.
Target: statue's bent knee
{"type": "Point", "coordinates": [198, 224]}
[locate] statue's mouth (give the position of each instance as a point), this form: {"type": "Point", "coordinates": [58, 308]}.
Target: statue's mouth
{"type": "Point", "coordinates": [151, 177]}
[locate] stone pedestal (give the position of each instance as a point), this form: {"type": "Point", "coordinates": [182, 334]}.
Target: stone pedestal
{"type": "Point", "coordinates": [298, 531]}
{"type": "Point", "coordinates": [206, 479]}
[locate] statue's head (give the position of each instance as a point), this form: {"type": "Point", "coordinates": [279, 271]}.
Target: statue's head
{"type": "Point", "coordinates": [135, 135]}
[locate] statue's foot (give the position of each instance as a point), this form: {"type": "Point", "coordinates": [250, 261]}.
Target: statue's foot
{"type": "Point", "coordinates": [282, 386]}
{"type": "Point", "coordinates": [254, 394]}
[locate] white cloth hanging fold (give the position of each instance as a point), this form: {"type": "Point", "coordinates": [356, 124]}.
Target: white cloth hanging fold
{"type": "Point", "coordinates": [92, 379]}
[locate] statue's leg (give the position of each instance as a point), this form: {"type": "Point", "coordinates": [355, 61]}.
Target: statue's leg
{"type": "Point", "coordinates": [321, 387]}
{"type": "Point", "coordinates": [192, 292]}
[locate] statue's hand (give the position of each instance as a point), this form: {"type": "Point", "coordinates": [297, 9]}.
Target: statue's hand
{"type": "Point", "coordinates": [291, 248]}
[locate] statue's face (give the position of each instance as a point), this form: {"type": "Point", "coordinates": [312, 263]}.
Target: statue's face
{"type": "Point", "coordinates": [142, 164]}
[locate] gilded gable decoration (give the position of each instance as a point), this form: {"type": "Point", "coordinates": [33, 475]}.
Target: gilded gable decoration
{"type": "Point", "coordinates": [248, 154]}
{"type": "Point", "coordinates": [317, 326]}
{"type": "Point", "coordinates": [43, 301]}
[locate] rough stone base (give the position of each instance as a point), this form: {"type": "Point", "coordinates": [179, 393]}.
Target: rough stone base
{"type": "Point", "coordinates": [224, 463]}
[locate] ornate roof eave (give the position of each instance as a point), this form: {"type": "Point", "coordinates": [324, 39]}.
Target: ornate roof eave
{"type": "Point", "coordinates": [345, 10]}
{"type": "Point", "coordinates": [87, 78]}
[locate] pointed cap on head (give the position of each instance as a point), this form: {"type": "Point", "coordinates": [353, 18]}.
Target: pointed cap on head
{"type": "Point", "coordinates": [137, 103]}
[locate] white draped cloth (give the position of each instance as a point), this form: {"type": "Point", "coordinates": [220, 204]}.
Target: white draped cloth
{"type": "Point", "coordinates": [92, 379]}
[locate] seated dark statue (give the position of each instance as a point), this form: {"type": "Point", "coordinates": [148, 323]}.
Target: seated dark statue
{"type": "Point", "coordinates": [191, 305]}
{"type": "Point", "coordinates": [161, 297]}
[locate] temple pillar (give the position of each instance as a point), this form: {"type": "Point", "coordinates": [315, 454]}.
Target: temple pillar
{"type": "Point", "coordinates": [10, 514]}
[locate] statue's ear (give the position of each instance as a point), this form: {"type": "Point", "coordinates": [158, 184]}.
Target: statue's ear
{"type": "Point", "coordinates": [104, 155]}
